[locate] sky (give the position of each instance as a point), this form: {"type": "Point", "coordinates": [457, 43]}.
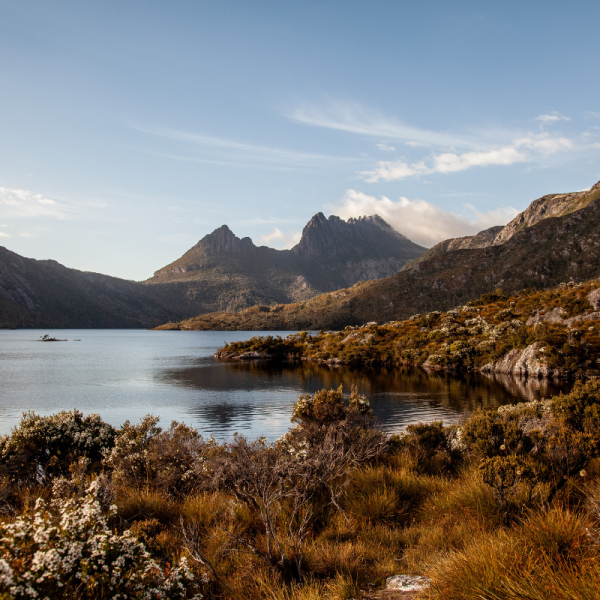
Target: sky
{"type": "Point", "coordinates": [131, 129]}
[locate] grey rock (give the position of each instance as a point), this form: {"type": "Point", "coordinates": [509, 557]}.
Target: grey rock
{"type": "Point", "coordinates": [523, 362]}
{"type": "Point", "coordinates": [407, 583]}
{"type": "Point", "coordinates": [594, 298]}
{"type": "Point", "coordinates": [552, 316]}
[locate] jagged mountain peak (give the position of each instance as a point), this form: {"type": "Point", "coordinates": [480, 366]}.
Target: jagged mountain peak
{"type": "Point", "coordinates": [221, 240]}
{"type": "Point", "coordinates": [354, 238]}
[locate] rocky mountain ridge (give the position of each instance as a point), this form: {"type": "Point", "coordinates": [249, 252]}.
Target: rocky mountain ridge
{"type": "Point", "coordinates": [548, 206]}
{"type": "Point", "coordinates": [552, 250]}
{"type": "Point", "coordinates": [224, 272]}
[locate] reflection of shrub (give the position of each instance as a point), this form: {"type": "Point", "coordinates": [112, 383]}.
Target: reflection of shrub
{"type": "Point", "coordinates": [66, 550]}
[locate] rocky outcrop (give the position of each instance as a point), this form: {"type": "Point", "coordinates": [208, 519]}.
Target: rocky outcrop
{"type": "Point", "coordinates": [407, 583]}
{"type": "Point", "coordinates": [526, 362]}
{"type": "Point", "coordinates": [555, 316]}
{"type": "Point", "coordinates": [551, 205]}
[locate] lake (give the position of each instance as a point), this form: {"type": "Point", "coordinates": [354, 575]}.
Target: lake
{"type": "Point", "coordinates": [126, 374]}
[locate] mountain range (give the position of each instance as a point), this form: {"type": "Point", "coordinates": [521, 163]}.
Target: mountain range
{"type": "Point", "coordinates": [221, 272]}
{"type": "Point", "coordinates": [556, 239]}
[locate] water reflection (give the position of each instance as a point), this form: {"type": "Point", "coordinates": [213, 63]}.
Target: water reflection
{"type": "Point", "coordinates": [398, 396]}
{"type": "Point", "coordinates": [124, 375]}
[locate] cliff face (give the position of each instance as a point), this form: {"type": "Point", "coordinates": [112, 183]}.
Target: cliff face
{"type": "Point", "coordinates": [363, 238]}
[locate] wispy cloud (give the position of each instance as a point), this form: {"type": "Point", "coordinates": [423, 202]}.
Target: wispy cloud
{"type": "Point", "coordinates": [288, 240]}
{"type": "Point", "coordinates": [19, 203]}
{"type": "Point", "coordinates": [385, 147]}
{"type": "Point", "coordinates": [2, 234]}
{"type": "Point", "coordinates": [234, 153]}
{"type": "Point", "coordinates": [24, 203]}
{"type": "Point", "coordinates": [357, 119]}
{"type": "Point", "coordinates": [421, 221]}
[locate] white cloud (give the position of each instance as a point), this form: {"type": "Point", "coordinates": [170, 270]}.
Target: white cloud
{"type": "Point", "coordinates": [421, 221]}
{"type": "Point", "coordinates": [388, 170]}
{"type": "Point", "coordinates": [449, 162]}
{"type": "Point", "coordinates": [544, 144]}
{"type": "Point", "coordinates": [24, 203]}
{"type": "Point", "coordinates": [552, 118]}
{"type": "Point", "coordinates": [2, 234]}
{"type": "Point", "coordinates": [289, 240]}
{"type": "Point", "coordinates": [385, 147]}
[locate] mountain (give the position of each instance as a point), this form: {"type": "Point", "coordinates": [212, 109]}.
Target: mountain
{"type": "Point", "coordinates": [44, 293]}
{"type": "Point", "coordinates": [224, 272]}
{"type": "Point", "coordinates": [551, 205]}
{"type": "Point", "coordinates": [221, 272]}
{"type": "Point", "coordinates": [555, 240]}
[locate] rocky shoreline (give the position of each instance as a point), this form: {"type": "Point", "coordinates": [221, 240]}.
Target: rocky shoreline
{"type": "Point", "coordinates": [553, 334]}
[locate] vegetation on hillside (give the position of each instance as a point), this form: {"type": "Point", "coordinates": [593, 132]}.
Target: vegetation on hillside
{"type": "Point", "coordinates": [505, 506]}
{"type": "Point", "coordinates": [561, 325]}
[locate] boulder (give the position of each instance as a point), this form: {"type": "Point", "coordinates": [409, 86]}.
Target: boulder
{"type": "Point", "coordinates": [594, 298]}
{"type": "Point", "coordinates": [407, 583]}
{"type": "Point", "coordinates": [523, 362]}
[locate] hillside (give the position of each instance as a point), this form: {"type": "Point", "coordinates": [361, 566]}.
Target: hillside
{"type": "Point", "coordinates": [224, 272]}
{"type": "Point", "coordinates": [554, 333]}
{"type": "Point", "coordinates": [44, 293]}
{"type": "Point", "coordinates": [550, 205]}
{"type": "Point", "coordinates": [549, 251]}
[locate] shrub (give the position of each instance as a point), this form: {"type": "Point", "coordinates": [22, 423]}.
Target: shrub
{"type": "Point", "coordinates": [169, 460]}
{"type": "Point", "coordinates": [328, 406]}
{"type": "Point", "coordinates": [40, 448]}
{"type": "Point", "coordinates": [430, 445]}
{"type": "Point", "coordinates": [67, 550]}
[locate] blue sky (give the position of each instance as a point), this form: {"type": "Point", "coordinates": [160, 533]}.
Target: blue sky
{"type": "Point", "coordinates": [129, 130]}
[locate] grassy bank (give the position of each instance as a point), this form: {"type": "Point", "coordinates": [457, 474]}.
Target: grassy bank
{"type": "Point", "coordinates": [560, 327]}
{"type": "Point", "coordinates": [505, 506]}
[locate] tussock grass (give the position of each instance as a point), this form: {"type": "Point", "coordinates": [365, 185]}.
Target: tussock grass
{"type": "Point", "coordinates": [142, 504]}
{"type": "Point", "coordinates": [548, 556]}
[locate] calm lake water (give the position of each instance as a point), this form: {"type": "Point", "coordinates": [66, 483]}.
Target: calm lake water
{"type": "Point", "coordinates": [126, 374]}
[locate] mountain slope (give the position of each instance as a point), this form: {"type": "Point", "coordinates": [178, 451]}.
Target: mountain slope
{"type": "Point", "coordinates": [224, 272]}
{"type": "Point", "coordinates": [549, 251]}
{"type": "Point", "coordinates": [550, 205]}
{"type": "Point", "coordinates": [44, 293]}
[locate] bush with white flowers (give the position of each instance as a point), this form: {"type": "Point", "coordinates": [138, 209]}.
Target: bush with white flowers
{"type": "Point", "coordinates": [67, 550]}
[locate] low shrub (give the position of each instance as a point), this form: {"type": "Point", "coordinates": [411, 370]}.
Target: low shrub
{"type": "Point", "coordinates": [41, 448]}
{"type": "Point", "coordinates": [66, 550]}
